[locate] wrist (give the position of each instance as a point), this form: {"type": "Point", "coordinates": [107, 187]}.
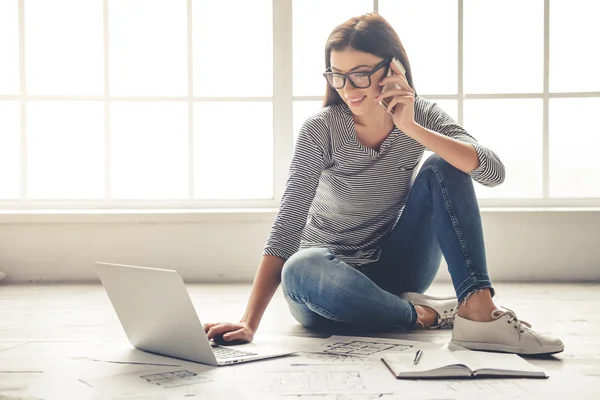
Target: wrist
{"type": "Point", "coordinates": [411, 130]}
{"type": "Point", "coordinates": [250, 324]}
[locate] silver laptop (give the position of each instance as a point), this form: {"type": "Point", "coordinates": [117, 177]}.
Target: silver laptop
{"type": "Point", "coordinates": [157, 315]}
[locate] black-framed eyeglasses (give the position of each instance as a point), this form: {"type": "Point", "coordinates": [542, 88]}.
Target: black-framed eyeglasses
{"type": "Point", "coordinates": [360, 80]}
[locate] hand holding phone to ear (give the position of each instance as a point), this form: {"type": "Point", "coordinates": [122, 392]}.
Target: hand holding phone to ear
{"type": "Point", "coordinates": [397, 97]}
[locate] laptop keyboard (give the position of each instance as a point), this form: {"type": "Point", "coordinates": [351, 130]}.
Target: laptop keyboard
{"type": "Point", "coordinates": [225, 352]}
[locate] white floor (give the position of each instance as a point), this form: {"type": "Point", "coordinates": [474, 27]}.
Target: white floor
{"type": "Point", "coordinates": [50, 333]}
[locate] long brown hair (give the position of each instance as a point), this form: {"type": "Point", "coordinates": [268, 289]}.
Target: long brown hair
{"type": "Point", "coordinates": [369, 33]}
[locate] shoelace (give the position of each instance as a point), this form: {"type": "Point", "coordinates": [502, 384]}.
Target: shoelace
{"type": "Point", "coordinates": [520, 325]}
{"type": "Point", "coordinates": [445, 320]}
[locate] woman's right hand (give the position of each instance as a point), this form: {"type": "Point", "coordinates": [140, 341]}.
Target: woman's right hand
{"type": "Point", "coordinates": [265, 284]}
{"type": "Point", "coordinates": [229, 331]}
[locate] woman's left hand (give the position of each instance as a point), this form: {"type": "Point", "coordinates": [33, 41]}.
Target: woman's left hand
{"type": "Point", "coordinates": [403, 100]}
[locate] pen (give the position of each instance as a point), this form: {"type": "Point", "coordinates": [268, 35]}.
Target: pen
{"type": "Point", "coordinates": [418, 356]}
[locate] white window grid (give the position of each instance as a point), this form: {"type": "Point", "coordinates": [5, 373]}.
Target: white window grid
{"type": "Point", "coordinates": [282, 101]}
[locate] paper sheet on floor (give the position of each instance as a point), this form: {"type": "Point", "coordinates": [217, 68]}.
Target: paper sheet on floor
{"type": "Point", "coordinates": [205, 393]}
{"type": "Point", "coordinates": [354, 350]}
{"type": "Point", "coordinates": [356, 396]}
{"type": "Point", "coordinates": [126, 355]}
{"type": "Point", "coordinates": [148, 381]}
{"type": "Point", "coordinates": [279, 380]}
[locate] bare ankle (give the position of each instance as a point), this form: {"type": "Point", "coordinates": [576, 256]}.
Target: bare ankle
{"type": "Point", "coordinates": [478, 306]}
{"type": "Point", "coordinates": [426, 316]}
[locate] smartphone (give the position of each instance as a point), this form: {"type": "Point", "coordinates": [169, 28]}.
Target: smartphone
{"type": "Point", "coordinates": [385, 102]}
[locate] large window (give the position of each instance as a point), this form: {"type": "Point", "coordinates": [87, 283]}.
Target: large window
{"type": "Point", "coordinates": [135, 103]}
{"type": "Point", "coordinates": [197, 103]}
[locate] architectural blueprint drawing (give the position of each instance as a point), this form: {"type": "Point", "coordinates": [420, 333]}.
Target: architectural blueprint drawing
{"type": "Point", "coordinates": [173, 378]}
{"type": "Point", "coordinates": [142, 382]}
{"type": "Point", "coordinates": [354, 349]}
{"type": "Point", "coordinates": [286, 381]}
{"type": "Point", "coordinates": [342, 396]}
{"type": "Point", "coordinates": [364, 347]}
{"type": "Point", "coordinates": [329, 358]}
{"type": "Point", "coordinates": [362, 396]}
{"type": "Point", "coordinates": [310, 382]}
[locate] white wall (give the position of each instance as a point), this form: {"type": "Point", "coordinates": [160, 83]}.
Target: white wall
{"type": "Point", "coordinates": [226, 246]}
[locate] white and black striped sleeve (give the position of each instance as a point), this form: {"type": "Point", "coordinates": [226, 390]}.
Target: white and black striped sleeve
{"type": "Point", "coordinates": [305, 170]}
{"type": "Point", "coordinates": [491, 170]}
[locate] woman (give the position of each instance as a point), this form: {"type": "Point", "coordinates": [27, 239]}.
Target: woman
{"type": "Point", "coordinates": [357, 240]}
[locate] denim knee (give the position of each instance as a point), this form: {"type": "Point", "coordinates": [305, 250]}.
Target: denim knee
{"type": "Point", "coordinates": [303, 266]}
{"type": "Point", "coordinates": [445, 173]}
{"type": "Point", "coordinates": [439, 164]}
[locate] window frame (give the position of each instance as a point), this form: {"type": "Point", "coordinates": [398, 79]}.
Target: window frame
{"type": "Point", "coordinates": [282, 101]}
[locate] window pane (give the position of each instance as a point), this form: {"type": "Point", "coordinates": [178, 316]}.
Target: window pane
{"type": "Point", "coordinates": [574, 144]}
{"type": "Point", "coordinates": [65, 150]}
{"type": "Point", "coordinates": [503, 49]}
{"type": "Point", "coordinates": [148, 47]}
{"type": "Point", "coordinates": [149, 150]}
{"type": "Point", "coordinates": [313, 21]}
{"type": "Point", "coordinates": [512, 128]}
{"type": "Point", "coordinates": [303, 110]}
{"type": "Point", "coordinates": [240, 62]}
{"type": "Point", "coordinates": [433, 54]}
{"type": "Point", "coordinates": [9, 47]}
{"type": "Point", "coordinates": [574, 65]}
{"type": "Point", "coordinates": [233, 160]}
{"type": "Point", "coordinates": [64, 47]}
{"type": "Point", "coordinates": [10, 150]}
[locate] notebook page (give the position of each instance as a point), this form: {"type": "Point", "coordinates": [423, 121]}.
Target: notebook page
{"type": "Point", "coordinates": [430, 360]}
{"type": "Point", "coordinates": [491, 361]}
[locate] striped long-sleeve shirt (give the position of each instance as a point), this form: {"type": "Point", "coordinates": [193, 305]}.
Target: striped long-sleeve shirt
{"type": "Point", "coordinates": [345, 196]}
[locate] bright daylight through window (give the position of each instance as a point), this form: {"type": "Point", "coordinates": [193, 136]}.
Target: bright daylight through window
{"type": "Point", "coordinates": [130, 103]}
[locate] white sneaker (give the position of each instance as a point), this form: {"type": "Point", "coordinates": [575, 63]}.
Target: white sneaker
{"type": "Point", "coordinates": [506, 333]}
{"type": "Point", "coordinates": [445, 307]}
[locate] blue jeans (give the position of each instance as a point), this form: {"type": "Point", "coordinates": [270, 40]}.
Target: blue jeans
{"type": "Point", "coordinates": [441, 216]}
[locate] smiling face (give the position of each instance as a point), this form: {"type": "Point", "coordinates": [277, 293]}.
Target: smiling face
{"type": "Point", "coordinates": [361, 101]}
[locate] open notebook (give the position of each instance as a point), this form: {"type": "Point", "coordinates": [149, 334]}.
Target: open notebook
{"type": "Point", "coordinates": [444, 363]}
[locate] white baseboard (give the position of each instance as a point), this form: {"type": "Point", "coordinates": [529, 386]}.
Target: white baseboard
{"type": "Point", "coordinates": [521, 245]}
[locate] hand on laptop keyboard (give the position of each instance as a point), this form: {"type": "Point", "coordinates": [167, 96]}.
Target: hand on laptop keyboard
{"type": "Point", "coordinates": [228, 332]}
{"type": "Point", "coordinates": [220, 340]}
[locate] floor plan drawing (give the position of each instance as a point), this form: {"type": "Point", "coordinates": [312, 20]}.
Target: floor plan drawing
{"type": "Point", "coordinates": [173, 378]}
{"type": "Point", "coordinates": [334, 358]}
{"type": "Point", "coordinates": [144, 381]}
{"type": "Point", "coordinates": [362, 347]}
{"type": "Point", "coordinates": [366, 349]}
{"type": "Point", "coordinates": [311, 382]}
{"type": "Point", "coordinates": [341, 396]}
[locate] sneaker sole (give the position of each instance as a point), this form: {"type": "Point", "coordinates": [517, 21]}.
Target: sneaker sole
{"type": "Point", "coordinates": [508, 349]}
